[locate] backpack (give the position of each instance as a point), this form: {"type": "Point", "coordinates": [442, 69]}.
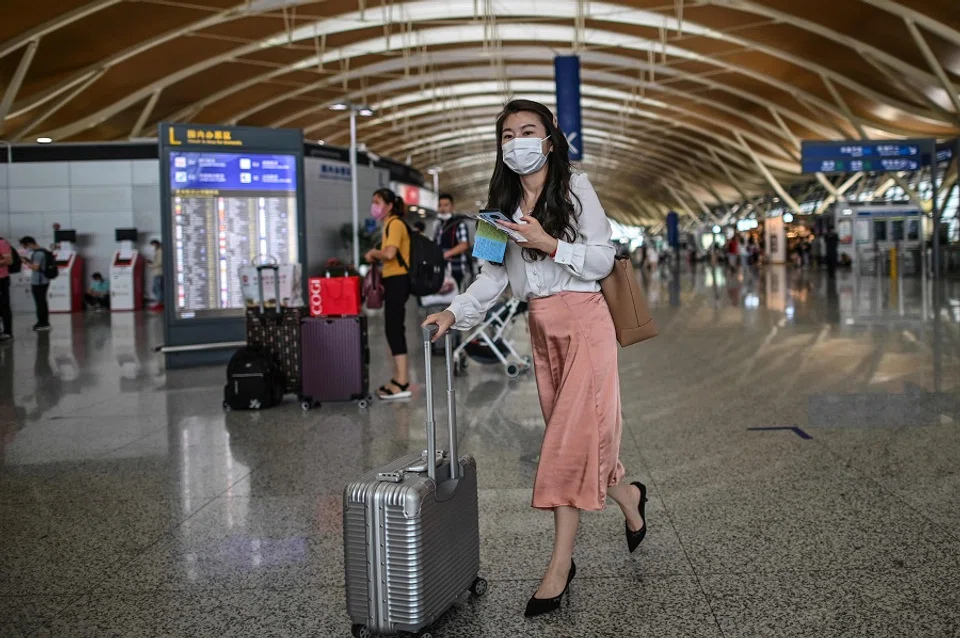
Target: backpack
{"type": "Point", "coordinates": [427, 267]}
{"type": "Point", "coordinates": [50, 269]}
{"type": "Point", "coordinates": [254, 381]}
{"type": "Point", "coordinates": [16, 263]}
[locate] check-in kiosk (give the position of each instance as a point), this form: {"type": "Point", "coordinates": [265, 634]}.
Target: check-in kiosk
{"type": "Point", "coordinates": [66, 291]}
{"type": "Point", "coordinates": [867, 233]}
{"type": "Point", "coordinates": [126, 273]}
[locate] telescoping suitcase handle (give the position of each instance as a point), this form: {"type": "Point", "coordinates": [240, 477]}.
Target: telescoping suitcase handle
{"type": "Point", "coordinates": [428, 334]}
{"type": "Point", "coordinates": [268, 263]}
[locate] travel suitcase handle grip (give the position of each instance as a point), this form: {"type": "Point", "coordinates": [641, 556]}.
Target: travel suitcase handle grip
{"type": "Point", "coordinates": [428, 333]}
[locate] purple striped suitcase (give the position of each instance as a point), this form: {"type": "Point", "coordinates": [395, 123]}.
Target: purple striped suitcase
{"type": "Point", "coordinates": [335, 361]}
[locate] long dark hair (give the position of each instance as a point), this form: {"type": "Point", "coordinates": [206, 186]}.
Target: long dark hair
{"type": "Point", "coordinates": [392, 200]}
{"type": "Point", "coordinates": [554, 208]}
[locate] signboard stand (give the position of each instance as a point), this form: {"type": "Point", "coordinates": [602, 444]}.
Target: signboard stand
{"type": "Point", "coordinates": [229, 196]}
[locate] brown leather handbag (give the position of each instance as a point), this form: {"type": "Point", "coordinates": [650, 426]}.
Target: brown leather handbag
{"type": "Point", "coordinates": [628, 306]}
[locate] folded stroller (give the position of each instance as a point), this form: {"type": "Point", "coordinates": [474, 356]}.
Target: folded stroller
{"type": "Point", "coordinates": [488, 344]}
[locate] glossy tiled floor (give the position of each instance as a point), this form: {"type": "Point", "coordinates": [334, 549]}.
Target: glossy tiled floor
{"type": "Point", "coordinates": [131, 505]}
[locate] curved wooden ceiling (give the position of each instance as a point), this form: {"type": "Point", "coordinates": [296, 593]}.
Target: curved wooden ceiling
{"type": "Point", "coordinates": [681, 98]}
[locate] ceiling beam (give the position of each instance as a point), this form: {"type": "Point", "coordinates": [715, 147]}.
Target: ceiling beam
{"type": "Point", "coordinates": [50, 26]}
{"type": "Point", "coordinates": [17, 80]}
{"type": "Point", "coordinates": [770, 178]}
{"type": "Point", "coordinates": [931, 59]}
{"type": "Point", "coordinates": [511, 31]}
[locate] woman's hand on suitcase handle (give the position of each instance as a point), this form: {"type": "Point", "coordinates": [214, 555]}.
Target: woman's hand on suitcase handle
{"type": "Point", "coordinates": [443, 320]}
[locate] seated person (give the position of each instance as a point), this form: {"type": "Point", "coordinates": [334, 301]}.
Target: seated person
{"type": "Point", "coordinates": [98, 295]}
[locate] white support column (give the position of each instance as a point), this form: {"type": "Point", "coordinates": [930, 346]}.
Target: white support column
{"type": "Point", "coordinates": [784, 195]}
{"type": "Point", "coordinates": [897, 80]}
{"type": "Point", "coordinates": [934, 63]}
{"type": "Point", "coordinates": [18, 76]}
{"type": "Point", "coordinates": [706, 209]}
{"type": "Point", "coordinates": [40, 119]}
{"type": "Point", "coordinates": [145, 114]}
{"type": "Point", "coordinates": [838, 191]}
{"type": "Point", "coordinates": [57, 23]}
{"type": "Point", "coordinates": [912, 194]}
{"type": "Point", "coordinates": [854, 120]}
{"type": "Point", "coordinates": [683, 204]}
{"type": "Point", "coordinates": [786, 129]}
{"type": "Point", "coordinates": [826, 184]}
{"type": "Point", "coordinates": [726, 170]}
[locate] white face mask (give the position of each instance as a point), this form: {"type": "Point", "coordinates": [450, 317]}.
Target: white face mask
{"type": "Point", "coordinates": [444, 216]}
{"type": "Point", "coordinates": [524, 155]}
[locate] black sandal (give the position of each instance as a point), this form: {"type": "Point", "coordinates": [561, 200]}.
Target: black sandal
{"type": "Point", "coordinates": [385, 393]}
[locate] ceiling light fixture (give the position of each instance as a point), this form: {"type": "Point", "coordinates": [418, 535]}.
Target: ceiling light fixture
{"type": "Point", "coordinates": [44, 140]}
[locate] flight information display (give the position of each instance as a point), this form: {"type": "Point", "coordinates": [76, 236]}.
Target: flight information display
{"type": "Point", "coordinates": [229, 209]}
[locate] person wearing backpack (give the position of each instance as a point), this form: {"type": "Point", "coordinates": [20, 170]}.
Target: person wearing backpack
{"type": "Point", "coordinates": [44, 267]}
{"type": "Point", "coordinates": [394, 254]}
{"type": "Point", "coordinates": [453, 236]}
{"type": "Point", "coordinates": [9, 264]}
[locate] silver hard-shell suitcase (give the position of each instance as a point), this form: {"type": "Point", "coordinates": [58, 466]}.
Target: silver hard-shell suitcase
{"type": "Point", "coordinates": [411, 535]}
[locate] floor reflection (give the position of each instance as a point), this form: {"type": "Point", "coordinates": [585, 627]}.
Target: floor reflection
{"type": "Point", "coordinates": [118, 478]}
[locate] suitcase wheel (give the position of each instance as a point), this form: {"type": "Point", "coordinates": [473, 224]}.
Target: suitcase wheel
{"type": "Point", "coordinates": [226, 406]}
{"type": "Point", "coordinates": [361, 631]}
{"type": "Point", "coordinates": [306, 405]}
{"type": "Point", "coordinates": [364, 403]}
{"type": "Point", "coordinates": [479, 587]}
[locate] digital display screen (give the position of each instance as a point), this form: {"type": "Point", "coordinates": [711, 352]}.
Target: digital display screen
{"type": "Point", "coordinates": [228, 209]}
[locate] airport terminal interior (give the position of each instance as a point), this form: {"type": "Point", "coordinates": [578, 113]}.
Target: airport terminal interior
{"type": "Point", "coordinates": [782, 176]}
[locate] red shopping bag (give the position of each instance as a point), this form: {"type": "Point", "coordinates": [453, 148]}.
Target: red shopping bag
{"type": "Point", "coordinates": [334, 296]}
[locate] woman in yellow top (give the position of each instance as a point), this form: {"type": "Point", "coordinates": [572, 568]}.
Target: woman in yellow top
{"type": "Point", "coordinates": [394, 253]}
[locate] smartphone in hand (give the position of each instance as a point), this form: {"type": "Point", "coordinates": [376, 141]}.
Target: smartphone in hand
{"type": "Point", "coordinates": [495, 218]}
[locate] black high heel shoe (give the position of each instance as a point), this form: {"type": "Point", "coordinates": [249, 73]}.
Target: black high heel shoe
{"type": "Point", "coordinates": [635, 538]}
{"type": "Point", "coordinates": [539, 606]}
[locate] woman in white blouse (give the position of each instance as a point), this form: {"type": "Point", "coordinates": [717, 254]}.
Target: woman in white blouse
{"type": "Point", "coordinates": [558, 269]}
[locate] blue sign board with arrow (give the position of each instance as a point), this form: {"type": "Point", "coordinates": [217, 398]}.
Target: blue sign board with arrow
{"type": "Point", "coordinates": [849, 156]}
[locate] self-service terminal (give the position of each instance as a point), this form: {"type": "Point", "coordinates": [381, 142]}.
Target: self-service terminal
{"type": "Point", "coordinates": [126, 273]}
{"type": "Point", "coordinates": [66, 291]}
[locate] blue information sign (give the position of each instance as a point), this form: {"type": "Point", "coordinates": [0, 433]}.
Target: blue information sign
{"type": "Point", "coordinates": [947, 151]}
{"type": "Point", "coordinates": [567, 72]}
{"type": "Point", "coordinates": [866, 155]}
{"type": "Point", "coordinates": [878, 164]}
{"type": "Point", "coordinates": [233, 171]}
{"type": "Point", "coordinates": [673, 230]}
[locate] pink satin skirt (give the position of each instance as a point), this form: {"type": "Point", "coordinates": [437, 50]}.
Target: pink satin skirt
{"type": "Point", "coordinates": [575, 360]}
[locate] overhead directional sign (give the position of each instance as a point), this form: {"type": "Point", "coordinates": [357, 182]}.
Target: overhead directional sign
{"type": "Point", "coordinates": [852, 156]}
{"type": "Point", "coordinates": [948, 150]}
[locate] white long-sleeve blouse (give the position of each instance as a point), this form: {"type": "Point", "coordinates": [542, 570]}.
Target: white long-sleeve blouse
{"type": "Point", "coordinates": [577, 267]}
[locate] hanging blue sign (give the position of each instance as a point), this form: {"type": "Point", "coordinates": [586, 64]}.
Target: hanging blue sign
{"type": "Point", "coordinates": [850, 156]}
{"type": "Point", "coordinates": [673, 230]}
{"type": "Point", "coordinates": [569, 118]}
{"type": "Point", "coordinates": [947, 151]}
